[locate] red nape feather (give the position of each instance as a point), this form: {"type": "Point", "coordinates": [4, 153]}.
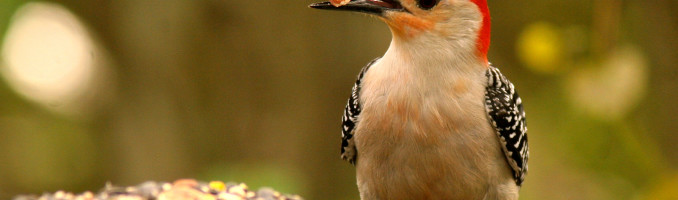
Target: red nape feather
{"type": "Point", "coordinates": [483, 43]}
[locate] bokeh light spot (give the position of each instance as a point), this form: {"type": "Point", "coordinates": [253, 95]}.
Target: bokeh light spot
{"type": "Point", "coordinates": [47, 55]}
{"type": "Point", "coordinates": [610, 90]}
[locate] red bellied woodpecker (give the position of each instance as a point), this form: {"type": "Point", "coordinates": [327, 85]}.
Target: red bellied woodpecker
{"type": "Point", "coordinates": [432, 118]}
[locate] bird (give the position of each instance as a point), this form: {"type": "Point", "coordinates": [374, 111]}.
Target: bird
{"type": "Point", "coordinates": [432, 118]}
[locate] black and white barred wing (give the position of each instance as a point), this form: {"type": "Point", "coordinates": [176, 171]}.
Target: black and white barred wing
{"type": "Point", "coordinates": [505, 110]}
{"type": "Point", "coordinates": [350, 119]}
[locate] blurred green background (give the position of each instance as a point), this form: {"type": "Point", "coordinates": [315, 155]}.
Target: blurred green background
{"type": "Point", "coordinates": [127, 91]}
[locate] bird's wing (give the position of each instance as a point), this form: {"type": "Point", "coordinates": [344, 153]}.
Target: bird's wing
{"type": "Point", "coordinates": [350, 119]}
{"type": "Point", "coordinates": [505, 111]}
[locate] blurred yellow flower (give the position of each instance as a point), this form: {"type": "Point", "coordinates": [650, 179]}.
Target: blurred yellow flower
{"type": "Point", "coordinates": [539, 47]}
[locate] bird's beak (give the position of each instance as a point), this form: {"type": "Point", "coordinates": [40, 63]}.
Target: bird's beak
{"type": "Point", "coordinates": [375, 7]}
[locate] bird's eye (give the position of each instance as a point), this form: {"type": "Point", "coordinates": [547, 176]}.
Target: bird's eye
{"type": "Point", "coordinates": [427, 4]}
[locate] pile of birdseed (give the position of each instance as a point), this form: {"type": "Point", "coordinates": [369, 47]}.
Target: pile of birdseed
{"type": "Point", "coordinates": [179, 190]}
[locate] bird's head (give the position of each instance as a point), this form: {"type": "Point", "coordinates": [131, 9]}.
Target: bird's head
{"type": "Point", "coordinates": [460, 24]}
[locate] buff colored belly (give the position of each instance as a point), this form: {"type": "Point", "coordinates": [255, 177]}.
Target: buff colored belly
{"type": "Point", "coordinates": [426, 146]}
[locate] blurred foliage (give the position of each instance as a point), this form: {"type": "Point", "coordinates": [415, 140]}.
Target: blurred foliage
{"type": "Point", "coordinates": [7, 8]}
{"type": "Point", "coordinates": [665, 188]}
{"type": "Point", "coordinates": [252, 91]}
{"type": "Point", "coordinates": [259, 174]}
